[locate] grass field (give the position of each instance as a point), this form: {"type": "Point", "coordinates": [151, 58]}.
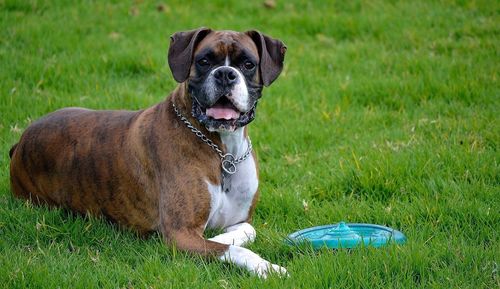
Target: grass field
{"type": "Point", "coordinates": [387, 112]}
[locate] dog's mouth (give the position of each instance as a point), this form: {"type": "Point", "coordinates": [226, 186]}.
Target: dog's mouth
{"type": "Point", "coordinates": [223, 109]}
{"type": "Point", "coordinates": [223, 115]}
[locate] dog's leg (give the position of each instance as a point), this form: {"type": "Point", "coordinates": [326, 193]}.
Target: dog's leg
{"type": "Point", "coordinates": [191, 241]}
{"type": "Point", "coordinates": [183, 226]}
{"type": "Point", "coordinates": [245, 258]}
{"type": "Point", "coordinates": [238, 235]}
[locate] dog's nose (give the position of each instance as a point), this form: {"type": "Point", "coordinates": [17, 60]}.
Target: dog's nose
{"type": "Point", "coordinates": [226, 76]}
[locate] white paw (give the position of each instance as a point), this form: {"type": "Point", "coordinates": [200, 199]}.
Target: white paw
{"type": "Point", "coordinates": [252, 262]}
{"type": "Point", "coordinates": [246, 234]}
{"type": "Point", "coordinates": [238, 235]}
{"type": "Point", "coordinates": [264, 269]}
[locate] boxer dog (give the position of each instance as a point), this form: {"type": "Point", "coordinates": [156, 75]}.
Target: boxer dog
{"type": "Point", "coordinates": [179, 167]}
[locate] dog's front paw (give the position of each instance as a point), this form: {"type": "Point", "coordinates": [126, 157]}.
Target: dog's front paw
{"type": "Point", "coordinates": [264, 269]}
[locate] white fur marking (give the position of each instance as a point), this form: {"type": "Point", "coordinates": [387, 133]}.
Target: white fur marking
{"type": "Point", "coordinates": [238, 235]}
{"type": "Point", "coordinates": [231, 204]}
{"type": "Point", "coordinates": [239, 94]}
{"type": "Point", "coordinates": [251, 261]}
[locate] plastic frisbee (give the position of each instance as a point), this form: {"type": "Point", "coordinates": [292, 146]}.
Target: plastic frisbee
{"type": "Point", "coordinates": [348, 235]}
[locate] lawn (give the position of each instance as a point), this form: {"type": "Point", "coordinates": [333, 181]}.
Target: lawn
{"type": "Point", "coordinates": [387, 112]}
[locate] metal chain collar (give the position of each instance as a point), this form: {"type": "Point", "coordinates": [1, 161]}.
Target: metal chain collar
{"type": "Point", "coordinates": [228, 161]}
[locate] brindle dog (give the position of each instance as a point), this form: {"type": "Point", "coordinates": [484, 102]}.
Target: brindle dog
{"type": "Point", "coordinates": [146, 169]}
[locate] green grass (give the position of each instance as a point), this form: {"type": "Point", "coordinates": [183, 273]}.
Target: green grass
{"type": "Point", "coordinates": [387, 112]}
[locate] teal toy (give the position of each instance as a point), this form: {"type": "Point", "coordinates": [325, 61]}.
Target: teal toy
{"type": "Point", "coordinates": [350, 235]}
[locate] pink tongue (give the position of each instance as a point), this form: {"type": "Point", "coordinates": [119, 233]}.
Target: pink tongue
{"type": "Point", "coordinates": [222, 113]}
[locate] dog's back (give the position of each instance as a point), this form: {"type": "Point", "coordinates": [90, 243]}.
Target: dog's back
{"type": "Point", "coordinates": [63, 159]}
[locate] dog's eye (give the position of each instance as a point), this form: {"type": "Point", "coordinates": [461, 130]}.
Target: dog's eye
{"type": "Point", "coordinates": [248, 65]}
{"type": "Point", "coordinates": [203, 62]}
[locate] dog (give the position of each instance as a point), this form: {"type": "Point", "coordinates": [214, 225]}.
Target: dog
{"type": "Point", "coordinates": [178, 167]}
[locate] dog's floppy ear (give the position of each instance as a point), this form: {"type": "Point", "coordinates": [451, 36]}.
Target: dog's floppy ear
{"type": "Point", "coordinates": [180, 53]}
{"type": "Point", "coordinates": [271, 52]}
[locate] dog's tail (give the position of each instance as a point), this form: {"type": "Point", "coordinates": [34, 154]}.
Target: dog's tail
{"type": "Point", "coordinates": [12, 150]}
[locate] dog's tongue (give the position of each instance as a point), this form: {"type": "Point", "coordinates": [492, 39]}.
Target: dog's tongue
{"type": "Point", "coordinates": [219, 112]}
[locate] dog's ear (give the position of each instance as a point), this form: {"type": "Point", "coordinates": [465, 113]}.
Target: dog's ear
{"type": "Point", "coordinates": [180, 53]}
{"type": "Point", "coordinates": [271, 52]}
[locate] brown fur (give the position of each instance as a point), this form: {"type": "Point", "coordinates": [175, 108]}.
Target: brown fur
{"type": "Point", "coordinates": [123, 168]}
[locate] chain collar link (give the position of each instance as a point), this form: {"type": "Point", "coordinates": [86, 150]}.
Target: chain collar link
{"type": "Point", "coordinates": [228, 161]}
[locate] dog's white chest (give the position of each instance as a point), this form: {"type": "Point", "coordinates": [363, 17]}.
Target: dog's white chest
{"type": "Point", "coordinates": [230, 203]}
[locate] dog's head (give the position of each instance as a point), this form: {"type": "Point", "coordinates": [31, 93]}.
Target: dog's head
{"type": "Point", "coordinates": [225, 72]}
